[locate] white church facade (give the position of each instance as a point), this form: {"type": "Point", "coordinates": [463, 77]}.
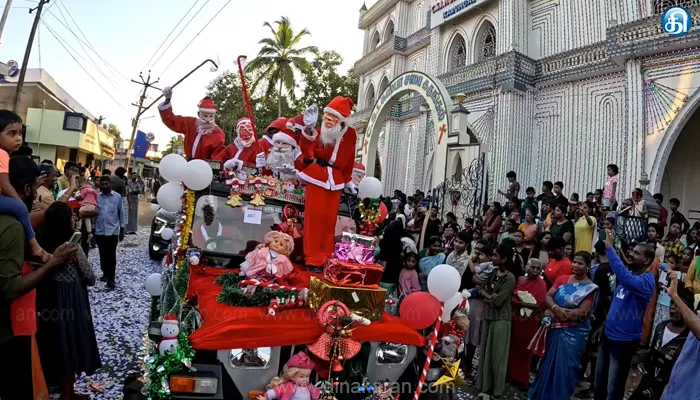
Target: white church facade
{"type": "Point", "coordinates": [555, 90]}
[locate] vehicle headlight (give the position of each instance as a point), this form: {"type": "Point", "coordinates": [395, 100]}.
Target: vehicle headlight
{"type": "Point", "coordinates": [160, 224]}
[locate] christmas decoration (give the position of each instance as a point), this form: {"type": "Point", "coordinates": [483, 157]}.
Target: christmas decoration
{"type": "Point", "coordinates": [208, 214]}
{"type": "Point", "coordinates": [295, 373]}
{"type": "Point", "coordinates": [245, 151]}
{"type": "Point", "coordinates": [158, 368]}
{"type": "Point", "coordinates": [232, 295]}
{"type": "Point", "coordinates": [369, 212]}
{"type": "Point", "coordinates": [234, 198]}
{"type": "Point", "coordinates": [258, 199]}
{"type": "Point", "coordinates": [365, 302]}
{"type": "Point", "coordinates": [169, 330]}
{"type": "Point", "coordinates": [451, 373]}
{"type": "Point", "coordinates": [429, 357]}
{"type": "Point", "coordinates": [271, 261]}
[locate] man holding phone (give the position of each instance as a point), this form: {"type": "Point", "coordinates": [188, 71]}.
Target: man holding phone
{"type": "Point", "coordinates": [109, 229]}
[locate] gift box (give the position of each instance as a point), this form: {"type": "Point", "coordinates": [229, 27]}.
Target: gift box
{"type": "Point", "coordinates": [368, 303]}
{"type": "Point", "coordinates": [351, 274]}
{"type": "Point", "coordinates": [354, 252]}
{"type": "Point", "coordinates": [349, 237]}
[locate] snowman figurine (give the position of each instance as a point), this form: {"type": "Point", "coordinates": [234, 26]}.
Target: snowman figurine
{"type": "Point", "coordinates": [169, 329]}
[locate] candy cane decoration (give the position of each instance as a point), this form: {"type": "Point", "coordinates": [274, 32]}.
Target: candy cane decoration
{"type": "Point", "coordinates": [389, 301]}
{"type": "Point", "coordinates": [253, 282]}
{"type": "Point", "coordinates": [429, 358]}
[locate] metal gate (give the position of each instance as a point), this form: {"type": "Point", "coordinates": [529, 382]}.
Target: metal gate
{"type": "Point", "coordinates": [463, 194]}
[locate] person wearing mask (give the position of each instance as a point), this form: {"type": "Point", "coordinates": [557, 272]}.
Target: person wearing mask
{"type": "Point", "coordinates": [677, 217]}
{"type": "Point", "coordinates": [622, 331]}
{"type": "Point", "coordinates": [559, 265]}
{"type": "Point", "coordinates": [134, 189]}
{"type": "Point", "coordinates": [561, 226]}
{"type": "Point", "coordinates": [493, 354]}
{"type": "Point", "coordinates": [109, 229]}
{"type": "Point", "coordinates": [18, 281]}
{"type": "Point", "coordinates": [67, 345]}
{"type": "Point", "coordinates": [663, 213]}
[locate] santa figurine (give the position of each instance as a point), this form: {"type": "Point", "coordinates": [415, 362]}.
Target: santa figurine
{"type": "Point", "coordinates": [331, 151]}
{"type": "Point", "coordinates": [358, 173]}
{"type": "Point", "coordinates": [277, 125]}
{"type": "Point", "coordinates": [203, 138]}
{"type": "Point", "coordinates": [169, 330]}
{"type": "Point", "coordinates": [245, 151]}
{"type": "Point", "coordinates": [284, 158]}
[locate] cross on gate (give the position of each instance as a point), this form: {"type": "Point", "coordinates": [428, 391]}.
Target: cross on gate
{"type": "Point", "coordinates": [443, 129]}
{"type": "Point", "coordinates": [366, 144]}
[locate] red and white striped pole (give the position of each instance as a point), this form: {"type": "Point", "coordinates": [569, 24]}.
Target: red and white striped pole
{"type": "Point", "coordinates": [253, 282]}
{"type": "Point", "coordinates": [429, 358]}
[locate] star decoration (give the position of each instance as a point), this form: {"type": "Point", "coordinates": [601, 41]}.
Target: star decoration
{"type": "Point", "coordinates": [452, 374]}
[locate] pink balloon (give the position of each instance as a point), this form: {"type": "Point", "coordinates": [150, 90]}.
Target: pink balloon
{"type": "Point", "coordinates": [419, 310]}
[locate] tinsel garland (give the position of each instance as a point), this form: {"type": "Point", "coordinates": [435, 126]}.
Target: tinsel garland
{"type": "Point", "coordinates": [369, 210]}
{"type": "Point", "coordinates": [158, 368]}
{"type": "Point", "coordinates": [233, 296]}
{"type": "Point", "coordinates": [188, 210]}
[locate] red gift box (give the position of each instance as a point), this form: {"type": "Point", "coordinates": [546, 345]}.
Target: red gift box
{"type": "Point", "coordinates": [349, 274]}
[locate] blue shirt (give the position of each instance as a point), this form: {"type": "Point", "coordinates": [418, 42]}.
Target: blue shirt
{"type": "Point", "coordinates": [630, 301]}
{"type": "Point", "coordinates": [110, 217]}
{"type": "Point", "coordinates": [684, 383]}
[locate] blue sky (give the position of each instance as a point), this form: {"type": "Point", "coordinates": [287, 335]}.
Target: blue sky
{"type": "Point", "coordinates": [126, 33]}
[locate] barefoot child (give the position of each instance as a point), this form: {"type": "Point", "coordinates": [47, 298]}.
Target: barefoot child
{"type": "Point", "coordinates": [10, 204]}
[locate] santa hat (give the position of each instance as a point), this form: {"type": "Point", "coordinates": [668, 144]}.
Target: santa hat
{"type": "Point", "coordinates": [278, 124]}
{"type": "Point", "coordinates": [300, 360]}
{"type": "Point", "coordinates": [170, 319]}
{"type": "Point", "coordinates": [207, 105]}
{"type": "Point", "coordinates": [285, 136]}
{"type": "Point", "coordinates": [340, 107]}
{"type": "Point", "coordinates": [296, 123]}
{"type": "Point", "coordinates": [244, 123]}
{"type": "Point", "coordinates": [258, 181]}
{"type": "Point", "coordinates": [358, 168]}
{"type": "Point", "coordinates": [276, 234]}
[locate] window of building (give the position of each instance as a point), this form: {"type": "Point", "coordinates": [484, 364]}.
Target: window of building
{"type": "Point", "coordinates": [384, 84]}
{"type": "Point", "coordinates": [389, 31]}
{"type": "Point", "coordinates": [375, 41]}
{"type": "Point", "coordinates": [487, 41]}
{"type": "Point", "coordinates": [370, 98]}
{"type": "Point", "coordinates": [457, 56]}
{"type": "Point", "coordinates": [661, 5]}
{"type": "Point", "coordinates": [74, 122]}
{"type": "Point", "coordinates": [457, 170]}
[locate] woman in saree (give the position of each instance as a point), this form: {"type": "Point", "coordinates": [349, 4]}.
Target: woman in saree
{"type": "Point", "coordinates": [433, 257]}
{"type": "Point", "coordinates": [566, 325]}
{"type": "Point", "coordinates": [529, 228]}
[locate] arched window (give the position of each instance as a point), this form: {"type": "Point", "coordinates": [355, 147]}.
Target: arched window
{"type": "Point", "coordinates": [383, 85]}
{"type": "Point", "coordinates": [389, 31]}
{"type": "Point", "coordinates": [662, 5]}
{"type": "Point", "coordinates": [486, 41]}
{"type": "Point", "coordinates": [376, 39]}
{"type": "Point", "coordinates": [370, 98]}
{"type": "Point", "coordinates": [457, 56]}
{"type": "Point", "coordinates": [457, 169]}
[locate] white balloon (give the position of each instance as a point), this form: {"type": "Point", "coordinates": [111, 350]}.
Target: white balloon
{"type": "Point", "coordinates": [155, 207]}
{"type": "Point", "coordinates": [154, 284]}
{"type": "Point", "coordinates": [172, 167]}
{"type": "Point", "coordinates": [370, 188]}
{"type": "Point", "coordinates": [197, 175]}
{"type": "Point", "coordinates": [167, 234]}
{"type": "Point", "coordinates": [170, 196]}
{"type": "Point", "coordinates": [452, 303]}
{"type": "Point", "coordinates": [443, 282]}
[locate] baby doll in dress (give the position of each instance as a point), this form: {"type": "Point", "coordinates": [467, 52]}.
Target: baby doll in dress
{"type": "Point", "coordinates": [294, 382]}
{"type": "Point", "coordinates": [271, 260]}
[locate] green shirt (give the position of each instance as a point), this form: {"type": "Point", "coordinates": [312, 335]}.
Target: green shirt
{"type": "Point", "coordinates": [11, 260]}
{"type": "Point", "coordinates": [501, 287]}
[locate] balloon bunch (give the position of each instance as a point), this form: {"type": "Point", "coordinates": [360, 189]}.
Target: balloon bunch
{"type": "Point", "coordinates": [195, 175]}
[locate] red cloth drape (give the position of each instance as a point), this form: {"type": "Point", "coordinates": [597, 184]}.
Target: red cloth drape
{"type": "Point", "coordinates": [522, 331]}
{"type": "Point", "coordinates": [227, 327]}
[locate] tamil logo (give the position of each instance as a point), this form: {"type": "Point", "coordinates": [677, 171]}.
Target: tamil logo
{"type": "Point", "coordinates": [676, 21]}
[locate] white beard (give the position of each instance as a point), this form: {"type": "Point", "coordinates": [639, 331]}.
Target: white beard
{"type": "Point", "coordinates": [329, 136]}
{"type": "Point", "coordinates": [279, 162]}
{"type": "Point", "coordinates": [241, 144]}
{"type": "Point", "coordinates": [204, 128]}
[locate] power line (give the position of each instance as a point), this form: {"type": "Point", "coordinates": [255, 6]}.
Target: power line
{"type": "Point", "coordinates": [195, 37]}
{"type": "Point", "coordinates": [178, 35]}
{"type": "Point", "coordinates": [166, 37]}
{"type": "Point", "coordinates": [83, 68]}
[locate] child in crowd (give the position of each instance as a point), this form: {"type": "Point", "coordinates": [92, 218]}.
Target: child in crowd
{"type": "Point", "coordinates": [10, 203]}
{"type": "Point", "coordinates": [88, 204]}
{"type": "Point", "coordinates": [408, 278]}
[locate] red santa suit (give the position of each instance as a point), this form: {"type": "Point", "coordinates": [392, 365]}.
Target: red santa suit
{"type": "Point", "coordinates": [277, 125]}
{"type": "Point", "coordinates": [326, 177]}
{"type": "Point", "coordinates": [284, 159]}
{"type": "Point", "coordinates": [202, 139]}
{"type": "Point", "coordinates": [245, 149]}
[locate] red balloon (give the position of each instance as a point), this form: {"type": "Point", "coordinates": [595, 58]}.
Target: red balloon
{"type": "Point", "coordinates": [383, 212]}
{"type": "Point", "coordinates": [419, 310]}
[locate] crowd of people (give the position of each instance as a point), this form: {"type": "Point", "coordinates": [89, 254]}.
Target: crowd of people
{"type": "Point", "coordinates": [564, 299]}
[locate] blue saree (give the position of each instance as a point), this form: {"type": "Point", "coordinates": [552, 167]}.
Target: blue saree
{"type": "Point", "coordinates": [560, 369]}
{"type": "Point", "coordinates": [425, 265]}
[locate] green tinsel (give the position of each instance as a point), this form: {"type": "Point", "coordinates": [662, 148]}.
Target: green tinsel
{"type": "Point", "coordinates": [233, 296]}
{"type": "Point", "coordinates": [182, 277]}
{"type": "Point", "coordinates": [171, 363]}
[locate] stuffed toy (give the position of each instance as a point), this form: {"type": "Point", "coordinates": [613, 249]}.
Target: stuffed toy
{"type": "Point", "coordinates": [270, 261]}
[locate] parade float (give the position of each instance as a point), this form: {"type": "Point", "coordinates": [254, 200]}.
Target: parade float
{"type": "Point", "coordinates": [237, 313]}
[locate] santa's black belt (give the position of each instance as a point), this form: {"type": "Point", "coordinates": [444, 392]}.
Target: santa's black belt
{"type": "Point", "coordinates": [321, 162]}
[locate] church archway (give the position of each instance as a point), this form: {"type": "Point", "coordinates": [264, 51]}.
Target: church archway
{"type": "Point", "coordinates": [438, 100]}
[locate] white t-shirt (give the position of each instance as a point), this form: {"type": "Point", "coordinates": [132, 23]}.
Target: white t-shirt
{"type": "Point", "coordinates": [668, 336]}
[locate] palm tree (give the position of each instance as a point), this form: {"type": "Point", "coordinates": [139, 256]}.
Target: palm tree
{"type": "Point", "coordinates": [279, 59]}
{"type": "Point", "coordinates": [177, 142]}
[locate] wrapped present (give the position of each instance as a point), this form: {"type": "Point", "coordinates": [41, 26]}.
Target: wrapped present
{"type": "Point", "coordinates": [354, 252]}
{"type": "Point", "coordinates": [368, 303]}
{"type": "Point", "coordinates": [350, 274]}
{"type": "Point", "coordinates": [368, 241]}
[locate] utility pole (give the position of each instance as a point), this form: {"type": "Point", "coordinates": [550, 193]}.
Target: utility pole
{"type": "Point", "coordinates": [139, 112]}
{"type": "Point", "coordinates": [5, 14]}
{"type": "Point", "coordinates": [27, 52]}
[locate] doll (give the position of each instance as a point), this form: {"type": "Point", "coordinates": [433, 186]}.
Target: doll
{"type": "Point", "coordinates": [234, 198]}
{"type": "Point", "coordinates": [270, 261]}
{"type": "Point", "coordinates": [169, 330]}
{"type": "Point", "coordinates": [258, 199]}
{"type": "Point", "coordinates": [294, 382]}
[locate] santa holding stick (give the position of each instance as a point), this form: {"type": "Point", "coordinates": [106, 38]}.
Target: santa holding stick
{"type": "Point", "coordinates": [331, 153]}
{"type": "Point", "coordinates": [203, 138]}
{"type": "Point", "coordinates": [245, 151]}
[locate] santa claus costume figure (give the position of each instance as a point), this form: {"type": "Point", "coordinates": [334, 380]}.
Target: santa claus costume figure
{"type": "Point", "coordinates": [284, 158]}
{"type": "Point", "coordinates": [203, 138]}
{"type": "Point", "coordinates": [245, 151]}
{"type": "Point", "coordinates": [332, 151]}
{"type": "Point", "coordinates": [277, 125]}
{"type": "Point", "coordinates": [358, 173]}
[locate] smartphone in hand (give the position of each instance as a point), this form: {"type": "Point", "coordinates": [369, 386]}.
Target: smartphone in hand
{"type": "Point", "coordinates": [75, 239]}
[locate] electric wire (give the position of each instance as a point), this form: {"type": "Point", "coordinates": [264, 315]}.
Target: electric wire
{"type": "Point", "coordinates": [178, 34]}
{"type": "Point", "coordinates": [168, 36]}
